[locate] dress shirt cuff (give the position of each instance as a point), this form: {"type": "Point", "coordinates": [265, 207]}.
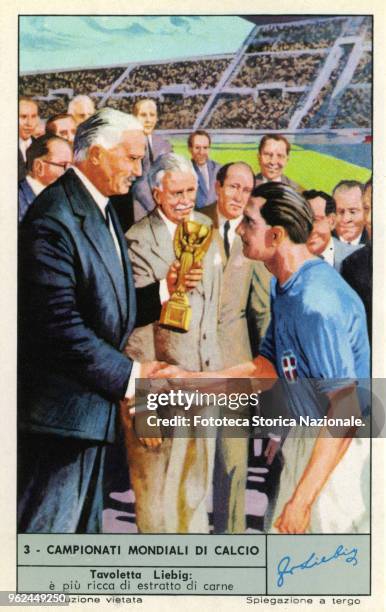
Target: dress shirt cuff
{"type": "Point", "coordinates": [164, 294]}
{"type": "Point", "coordinates": [130, 391]}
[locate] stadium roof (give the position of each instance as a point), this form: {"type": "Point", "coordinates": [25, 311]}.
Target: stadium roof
{"type": "Point", "coordinates": [65, 42]}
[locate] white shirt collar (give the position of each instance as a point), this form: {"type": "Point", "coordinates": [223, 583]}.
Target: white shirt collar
{"type": "Point", "coordinates": [233, 223]}
{"type": "Point", "coordinates": [328, 253]}
{"type": "Point", "coordinates": [100, 199]}
{"type": "Point", "coordinates": [276, 180]}
{"type": "Point", "coordinates": [23, 146]}
{"type": "Point", "coordinates": [35, 185]}
{"type": "Point", "coordinates": [356, 240]}
{"type": "Point", "coordinates": [169, 224]}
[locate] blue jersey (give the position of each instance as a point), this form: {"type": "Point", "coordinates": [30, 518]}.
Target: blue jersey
{"type": "Point", "coordinates": [317, 337]}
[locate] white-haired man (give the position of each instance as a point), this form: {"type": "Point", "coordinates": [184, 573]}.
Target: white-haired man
{"type": "Point", "coordinates": [81, 108]}
{"type": "Point", "coordinates": [171, 481]}
{"type": "Point", "coordinates": [77, 309]}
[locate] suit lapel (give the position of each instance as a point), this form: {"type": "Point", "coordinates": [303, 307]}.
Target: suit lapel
{"type": "Point", "coordinates": [164, 247]}
{"type": "Point", "coordinates": [98, 234]}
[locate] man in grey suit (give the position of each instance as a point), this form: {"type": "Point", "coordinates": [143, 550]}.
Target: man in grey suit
{"type": "Point", "coordinates": [321, 242]}
{"type": "Point", "coordinates": [244, 300]}
{"type": "Point", "coordinates": [199, 143]}
{"type": "Point", "coordinates": [171, 478]}
{"type": "Point", "coordinates": [273, 156]}
{"type": "Point", "coordinates": [146, 112]}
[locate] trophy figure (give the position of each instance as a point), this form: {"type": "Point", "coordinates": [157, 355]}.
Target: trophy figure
{"type": "Point", "coordinates": [191, 242]}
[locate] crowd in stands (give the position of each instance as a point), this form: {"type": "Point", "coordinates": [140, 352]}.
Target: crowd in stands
{"type": "Point", "coordinates": [300, 36]}
{"type": "Point", "coordinates": [175, 112]}
{"type": "Point", "coordinates": [292, 70]}
{"type": "Point", "coordinates": [318, 113]}
{"type": "Point", "coordinates": [81, 81]}
{"type": "Point", "coordinates": [203, 74]}
{"type": "Point", "coordinates": [363, 72]}
{"type": "Point", "coordinates": [354, 109]}
{"type": "Point", "coordinates": [271, 110]}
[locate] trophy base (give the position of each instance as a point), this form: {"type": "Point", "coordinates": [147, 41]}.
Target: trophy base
{"type": "Point", "coordinates": [176, 315]}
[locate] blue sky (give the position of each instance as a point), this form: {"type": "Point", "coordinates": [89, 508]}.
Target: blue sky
{"type": "Point", "coordinates": [68, 42]}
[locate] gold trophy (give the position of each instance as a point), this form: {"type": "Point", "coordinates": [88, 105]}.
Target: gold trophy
{"type": "Point", "coordinates": [191, 242]}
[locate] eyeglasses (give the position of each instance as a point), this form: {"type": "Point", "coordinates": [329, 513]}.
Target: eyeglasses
{"type": "Point", "coordinates": [235, 187]}
{"type": "Point", "coordinates": [64, 165]}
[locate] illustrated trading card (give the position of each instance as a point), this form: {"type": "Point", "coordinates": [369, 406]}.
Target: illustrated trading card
{"type": "Point", "coordinates": [194, 306]}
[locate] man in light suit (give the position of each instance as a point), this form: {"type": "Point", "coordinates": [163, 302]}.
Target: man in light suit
{"type": "Point", "coordinates": [244, 307]}
{"type": "Point", "coordinates": [321, 242]}
{"type": "Point", "coordinates": [146, 112]}
{"type": "Point", "coordinates": [273, 156]}
{"type": "Point", "coordinates": [172, 480]}
{"type": "Point", "coordinates": [48, 158]}
{"type": "Point", "coordinates": [199, 143]}
{"type": "Point", "coordinates": [77, 309]}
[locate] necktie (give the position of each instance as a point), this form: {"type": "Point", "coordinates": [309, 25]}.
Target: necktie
{"type": "Point", "coordinates": [227, 226]}
{"type": "Point", "coordinates": [111, 228]}
{"type": "Point", "coordinates": [151, 159]}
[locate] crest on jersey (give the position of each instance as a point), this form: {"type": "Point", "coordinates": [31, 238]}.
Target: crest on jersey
{"type": "Point", "coordinates": [289, 366]}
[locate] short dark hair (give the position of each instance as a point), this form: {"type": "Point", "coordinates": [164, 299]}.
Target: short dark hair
{"type": "Point", "coordinates": [29, 99]}
{"type": "Point", "coordinates": [51, 120]}
{"type": "Point", "coordinates": [287, 208]}
{"type": "Point", "coordinates": [330, 202]}
{"type": "Point", "coordinates": [277, 137]}
{"type": "Point", "coordinates": [141, 101]}
{"type": "Point", "coordinates": [346, 184]}
{"type": "Point", "coordinates": [223, 171]}
{"type": "Point", "coordinates": [40, 148]}
{"type": "Point", "coordinates": [198, 133]}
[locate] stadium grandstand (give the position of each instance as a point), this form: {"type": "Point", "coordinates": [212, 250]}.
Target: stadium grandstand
{"type": "Point", "coordinates": [309, 75]}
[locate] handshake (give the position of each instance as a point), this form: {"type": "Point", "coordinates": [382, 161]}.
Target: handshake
{"type": "Point", "coordinates": [161, 369]}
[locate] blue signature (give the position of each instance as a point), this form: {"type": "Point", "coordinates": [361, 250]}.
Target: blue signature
{"type": "Point", "coordinates": [284, 568]}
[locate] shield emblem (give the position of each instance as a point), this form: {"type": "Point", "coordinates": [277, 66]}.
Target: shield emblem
{"type": "Point", "coordinates": [289, 366]}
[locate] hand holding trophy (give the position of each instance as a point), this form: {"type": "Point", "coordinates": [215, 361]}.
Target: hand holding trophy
{"type": "Point", "coordinates": [191, 243]}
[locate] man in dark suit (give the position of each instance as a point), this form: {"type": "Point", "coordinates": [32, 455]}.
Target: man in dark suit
{"type": "Point", "coordinates": [357, 269]}
{"type": "Point", "coordinates": [28, 122]}
{"type": "Point", "coordinates": [62, 125]}
{"type": "Point", "coordinates": [77, 309]}
{"type": "Point", "coordinates": [273, 156]}
{"type": "Point", "coordinates": [199, 143]}
{"type": "Point", "coordinates": [350, 213]}
{"type": "Point", "coordinates": [321, 242]}
{"type": "Point", "coordinates": [146, 112]}
{"type": "Point", "coordinates": [48, 157]}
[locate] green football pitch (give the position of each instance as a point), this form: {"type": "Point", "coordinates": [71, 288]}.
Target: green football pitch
{"type": "Point", "coordinates": [310, 169]}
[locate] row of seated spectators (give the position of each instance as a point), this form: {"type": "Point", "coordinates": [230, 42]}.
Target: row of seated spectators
{"type": "Point", "coordinates": [316, 35]}
{"type": "Point", "coordinates": [363, 72]}
{"type": "Point", "coordinates": [318, 113]}
{"type": "Point", "coordinates": [203, 74]}
{"type": "Point", "coordinates": [291, 70]}
{"type": "Point", "coordinates": [82, 81]}
{"type": "Point", "coordinates": [175, 112]}
{"type": "Point", "coordinates": [271, 110]}
{"type": "Point", "coordinates": [354, 109]}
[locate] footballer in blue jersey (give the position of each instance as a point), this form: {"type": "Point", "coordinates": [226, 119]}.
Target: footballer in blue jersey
{"type": "Point", "coordinates": [318, 332]}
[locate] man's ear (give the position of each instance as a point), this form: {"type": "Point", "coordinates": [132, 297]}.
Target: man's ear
{"type": "Point", "coordinates": [217, 188]}
{"type": "Point", "coordinates": [38, 168]}
{"type": "Point", "coordinates": [277, 235]}
{"type": "Point", "coordinates": [331, 218]}
{"type": "Point", "coordinates": [94, 154]}
{"type": "Point", "coordinates": [156, 195]}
